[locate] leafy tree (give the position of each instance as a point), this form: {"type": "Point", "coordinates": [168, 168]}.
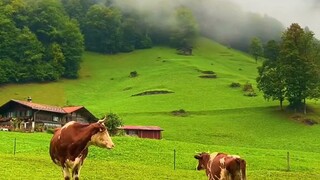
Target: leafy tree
{"type": "Point", "coordinates": [271, 82]}
{"type": "Point", "coordinates": [102, 29]}
{"type": "Point", "coordinates": [8, 34]}
{"type": "Point", "coordinates": [38, 41]}
{"type": "Point", "coordinates": [72, 46]}
{"type": "Point", "coordinates": [113, 122]}
{"type": "Point", "coordinates": [7, 71]}
{"type": "Point", "coordinates": [295, 75]}
{"type": "Point", "coordinates": [299, 65]}
{"type": "Point", "coordinates": [271, 50]}
{"type": "Point", "coordinates": [56, 58]}
{"type": "Point", "coordinates": [135, 32]}
{"type": "Point", "coordinates": [185, 29]}
{"type": "Point", "coordinates": [77, 9]}
{"type": "Point", "coordinates": [256, 49]}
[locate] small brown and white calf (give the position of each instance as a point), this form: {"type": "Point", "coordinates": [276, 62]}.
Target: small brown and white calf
{"type": "Point", "coordinates": [221, 166]}
{"type": "Point", "coordinates": [69, 145]}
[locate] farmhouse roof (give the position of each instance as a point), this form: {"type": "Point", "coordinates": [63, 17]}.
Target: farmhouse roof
{"type": "Point", "coordinates": [44, 107]}
{"type": "Point", "coordinates": [146, 128]}
{"type": "Point", "coordinates": [71, 109]}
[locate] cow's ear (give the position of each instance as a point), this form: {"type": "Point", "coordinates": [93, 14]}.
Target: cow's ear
{"type": "Point", "coordinates": [100, 129]}
{"type": "Point", "coordinates": [197, 156]}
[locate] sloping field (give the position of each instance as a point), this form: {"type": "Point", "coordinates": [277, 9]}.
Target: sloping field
{"type": "Point", "coordinates": [218, 118]}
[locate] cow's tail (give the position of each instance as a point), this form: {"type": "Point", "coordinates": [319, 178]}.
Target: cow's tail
{"type": "Point", "coordinates": [243, 165]}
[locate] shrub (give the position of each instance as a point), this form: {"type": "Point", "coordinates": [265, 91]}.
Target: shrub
{"type": "Point", "coordinates": [250, 94]}
{"type": "Point", "coordinates": [248, 87]}
{"type": "Point", "coordinates": [133, 74]}
{"type": "Point", "coordinates": [248, 90]}
{"type": "Point", "coordinates": [180, 112]}
{"type": "Point", "coordinates": [112, 124]}
{"type": "Point", "coordinates": [50, 131]}
{"type": "Point", "coordinates": [235, 85]}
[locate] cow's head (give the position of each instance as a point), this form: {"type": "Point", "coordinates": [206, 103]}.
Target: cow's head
{"type": "Point", "coordinates": [101, 138]}
{"type": "Point", "coordinates": [203, 159]}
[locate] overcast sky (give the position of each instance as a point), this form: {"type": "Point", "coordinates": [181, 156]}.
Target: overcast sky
{"type": "Point", "coordinates": [303, 12]}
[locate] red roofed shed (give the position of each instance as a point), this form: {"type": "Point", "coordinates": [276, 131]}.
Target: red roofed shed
{"type": "Point", "coordinates": [151, 132]}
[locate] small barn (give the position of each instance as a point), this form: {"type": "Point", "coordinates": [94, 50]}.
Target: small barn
{"type": "Point", "coordinates": [151, 132]}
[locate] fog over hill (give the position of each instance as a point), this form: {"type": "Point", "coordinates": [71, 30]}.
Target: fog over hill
{"type": "Point", "coordinates": [304, 12]}
{"type": "Point", "coordinates": [224, 21]}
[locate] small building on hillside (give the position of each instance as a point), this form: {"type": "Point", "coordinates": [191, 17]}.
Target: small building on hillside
{"type": "Point", "coordinates": [29, 116]}
{"type": "Point", "coordinates": [151, 132]}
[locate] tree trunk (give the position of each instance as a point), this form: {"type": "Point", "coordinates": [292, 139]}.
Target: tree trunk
{"type": "Point", "coordinates": [281, 107]}
{"type": "Point", "coordinates": [304, 106]}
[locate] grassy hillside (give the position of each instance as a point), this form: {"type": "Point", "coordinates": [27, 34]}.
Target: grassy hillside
{"type": "Point", "coordinates": [219, 118]}
{"type": "Point", "coordinates": [105, 85]}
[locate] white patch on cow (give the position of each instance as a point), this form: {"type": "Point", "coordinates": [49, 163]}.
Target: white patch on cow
{"type": "Point", "coordinates": [209, 164]}
{"type": "Point", "coordinates": [72, 164]}
{"type": "Point", "coordinates": [224, 174]}
{"type": "Point", "coordinates": [68, 124]}
{"type": "Point", "coordinates": [212, 156]}
{"type": "Point", "coordinates": [222, 162]}
{"type": "Point", "coordinates": [66, 172]}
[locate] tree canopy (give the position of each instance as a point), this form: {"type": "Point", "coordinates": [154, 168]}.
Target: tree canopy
{"type": "Point", "coordinates": [39, 42]}
{"type": "Point", "coordinates": [256, 49]}
{"type": "Point", "coordinates": [292, 73]}
{"type": "Point", "coordinates": [43, 40]}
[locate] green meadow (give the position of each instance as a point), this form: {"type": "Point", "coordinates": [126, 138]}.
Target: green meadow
{"type": "Point", "coordinates": [218, 118]}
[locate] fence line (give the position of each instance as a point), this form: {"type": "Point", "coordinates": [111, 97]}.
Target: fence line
{"type": "Point", "coordinates": [14, 147]}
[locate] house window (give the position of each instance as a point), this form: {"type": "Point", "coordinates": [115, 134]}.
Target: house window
{"type": "Point", "coordinates": [55, 118]}
{"type": "Point", "coordinates": [10, 114]}
{"type": "Point", "coordinates": [29, 112]}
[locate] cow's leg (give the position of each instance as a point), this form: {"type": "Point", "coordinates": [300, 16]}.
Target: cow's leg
{"type": "Point", "coordinates": [76, 173]}
{"type": "Point", "coordinates": [76, 168]}
{"type": "Point", "coordinates": [66, 173]}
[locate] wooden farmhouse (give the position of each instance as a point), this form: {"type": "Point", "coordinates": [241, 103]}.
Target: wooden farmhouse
{"type": "Point", "coordinates": [29, 116]}
{"type": "Point", "coordinates": [151, 132]}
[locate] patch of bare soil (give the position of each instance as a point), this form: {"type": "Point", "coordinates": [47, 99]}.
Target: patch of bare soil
{"type": "Point", "coordinates": [207, 74]}
{"type": "Point", "coordinates": [152, 92]}
{"type": "Point", "coordinates": [304, 120]}
{"type": "Point", "coordinates": [309, 122]}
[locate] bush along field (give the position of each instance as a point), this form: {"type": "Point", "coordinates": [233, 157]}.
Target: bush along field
{"type": "Point", "coordinates": [204, 102]}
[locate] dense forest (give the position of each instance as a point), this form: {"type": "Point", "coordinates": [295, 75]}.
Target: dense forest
{"type": "Point", "coordinates": [43, 40]}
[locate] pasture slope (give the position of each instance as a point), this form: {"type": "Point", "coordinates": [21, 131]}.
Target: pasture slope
{"type": "Point", "coordinates": [218, 118]}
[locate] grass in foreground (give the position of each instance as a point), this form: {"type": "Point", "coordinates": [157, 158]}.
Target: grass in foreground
{"type": "Point", "coordinates": [135, 159]}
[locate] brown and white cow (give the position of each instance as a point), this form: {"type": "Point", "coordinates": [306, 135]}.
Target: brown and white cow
{"type": "Point", "coordinates": [221, 166]}
{"type": "Point", "coordinates": [69, 145]}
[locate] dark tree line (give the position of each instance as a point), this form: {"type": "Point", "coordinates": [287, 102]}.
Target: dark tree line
{"type": "Point", "coordinates": [43, 40]}
{"type": "Point", "coordinates": [38, 42]}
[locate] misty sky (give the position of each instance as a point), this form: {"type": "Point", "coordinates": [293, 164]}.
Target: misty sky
{"type": "Point", "coordinates": [303, 12]}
